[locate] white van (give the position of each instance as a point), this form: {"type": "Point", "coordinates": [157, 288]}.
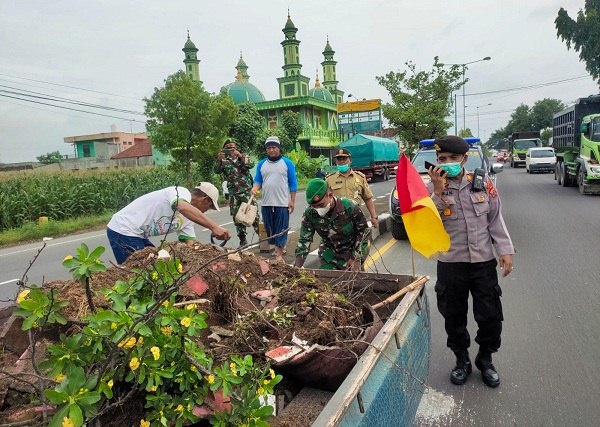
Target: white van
{"type": "Point", "coordinates": [540, 159]}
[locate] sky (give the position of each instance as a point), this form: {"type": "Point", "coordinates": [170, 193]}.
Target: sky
{"type": "Point", "coordinates": [114, 53]}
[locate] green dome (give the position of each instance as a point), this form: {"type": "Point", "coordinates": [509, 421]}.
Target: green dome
{"type": "Point", "coordinates": [321, 93]}
{"type": "Point", "coordinates": [189, 44]}
{"type": "Point", "coordinates": [243, 91]}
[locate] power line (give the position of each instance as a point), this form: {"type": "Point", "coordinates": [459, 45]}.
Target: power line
{"type": "Point", "coordinates": [533, 86]}
{"type": "Point", "coordinates": [69, 108]}
{"type": "Point", "coordinates": [70, 87]}
{"type": "Point", "coordinates": [43, 96]}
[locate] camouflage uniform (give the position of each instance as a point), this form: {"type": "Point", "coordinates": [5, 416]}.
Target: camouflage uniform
{"type": "Point", "coordinates": [239, 182]}
{"type": "Point", "coordinates": [344, 235]}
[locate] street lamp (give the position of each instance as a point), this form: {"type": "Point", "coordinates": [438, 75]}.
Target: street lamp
{"type": "Point", "coordinates": [477, 107]}
{"type": "Point", "coordinates": [464, 69]}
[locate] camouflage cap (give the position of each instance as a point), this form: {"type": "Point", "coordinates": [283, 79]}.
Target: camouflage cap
{"type": "Point", "coordinates": [451, 144]}
{"type": "Point", "coordinates": [315, 190]}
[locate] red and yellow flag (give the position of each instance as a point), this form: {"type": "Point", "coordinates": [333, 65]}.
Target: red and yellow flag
{"type": "Point", "coordinates": [420, 216]}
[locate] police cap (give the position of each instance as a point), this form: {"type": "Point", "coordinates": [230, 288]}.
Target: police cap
{"type": "Point", "coordinates": [451, 144]}
{"type": "Point", "coordinates": [342, 152]}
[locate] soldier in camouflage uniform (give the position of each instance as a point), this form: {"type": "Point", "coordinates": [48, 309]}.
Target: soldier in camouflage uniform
{"type": "Point", "coordinates": [235, 167]}
{"type": "Point", "coordinates": [340, 223]}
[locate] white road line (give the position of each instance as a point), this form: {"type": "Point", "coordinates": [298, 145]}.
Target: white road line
{"type": "Point", "coordinates": [9, 281]}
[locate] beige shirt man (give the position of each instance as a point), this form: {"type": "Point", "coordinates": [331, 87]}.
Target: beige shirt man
{"type": "Point", "coordinates": [351, 184]}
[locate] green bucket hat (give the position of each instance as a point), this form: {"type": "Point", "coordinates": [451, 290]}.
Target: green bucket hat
{"type": "Point", "coordinates": [315, 190]}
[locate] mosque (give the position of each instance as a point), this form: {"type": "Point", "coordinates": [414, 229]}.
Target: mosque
{"type": "Point", "coordinates": [317, 106]}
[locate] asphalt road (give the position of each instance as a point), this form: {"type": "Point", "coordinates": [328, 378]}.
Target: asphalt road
{"type": "Point", "coordinates": [551, 344]}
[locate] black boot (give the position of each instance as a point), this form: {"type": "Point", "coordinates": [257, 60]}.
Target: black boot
{"type": "Point", "coordinates": [462, 369]}
{"type": "Point", "coordinates": [483, 361]}
{"type": "Point", "coordinates": [243, 241]}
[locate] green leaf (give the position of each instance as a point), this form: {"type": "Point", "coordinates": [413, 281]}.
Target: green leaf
{"type": "Point", "coordinates": [144, 330]}
{"type": "Point", "coordinates": [57, 419]}
{"type": "Point", "coordinates": [28, 323]}
{"type": "Point", "coordinates": [97, 252]}
{"type": "Point", "coordinates": [56, 397]}
{"type": "Point", "coordinates": [75, 414]}
{"type": "Point", "coordinates": [89, 399]}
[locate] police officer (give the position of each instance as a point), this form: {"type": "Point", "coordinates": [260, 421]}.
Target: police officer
{"type": "Point", "coordinates": [235, 168]}
{"type": "Point", "coordinates": [470, 209]}
{"type": "Point", "coordinates": [341, 225]}
{"type": "Point", "coordinates": [351, 184]}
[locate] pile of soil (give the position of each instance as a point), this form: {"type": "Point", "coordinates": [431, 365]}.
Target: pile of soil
{"type": "Point", "coordinates": [253, 304]}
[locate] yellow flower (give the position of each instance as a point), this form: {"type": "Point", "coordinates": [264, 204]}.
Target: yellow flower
{"type": "Point", "coordinates": [186, 321]}
{"type": "Point", "coordinates": [59, 378]}
{"type": "Point", "coordinates": [140, 340]}
{"type": "Point", "coordinates": [272, 373]}
{"type": "Point", "coordinates": [155, 352]}
{"type": "Point", "coordinates": [167, 330]}
{"type": "Point", "coordinates": [165, 303]}
{"type": "Point", "coordinates": [154, 275]}
{"type": "Point", "coordinates": [210, 379]}
{"type": "Point", "coordinates": [110, 383]}
{"type": "Point", "coordinates": [260, 391]}
{"type": "Point", "coordinates": [68, 257]}
{"type": "Point", "coordinates": [134, 363]}
{"type": "Point", "coordinates": [22, 296]}
{"type": "Point", "coordinates": [113, 326]}
{"type": "Point", "coordinates": [190, 307]}
{"type": "Point", "coordinates": [179, 408]}
{"type": "Point", "coordinates": [127, 343]}
{"type": "Point", "coordinates": [153, 388]}
{"type": "Point", "coordinates": [265, 382]}
{"type": "Point", "coordinates": [144, 423]}
{"type": "Point", "coordinates": [193, 368]}
{"type": "Point", "coordinates": [66, 422]}
{"type": "Point", "coordinates": [179, 267]}
{"type": "Point", "coordinates": [233, 368]}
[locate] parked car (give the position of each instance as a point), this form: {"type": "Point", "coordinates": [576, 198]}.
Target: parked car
{"type": "Point", "coordinates": [540, 159]}
{"type": "Point", "coordinates": [476, 159]}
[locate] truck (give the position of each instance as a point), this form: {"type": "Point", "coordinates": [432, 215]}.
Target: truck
{"type": "Point", "coordinates": [520, 142]}
{"type": "Point", "coordinates": [385, 386]}
{"type": "Point", "coordinates": [576, 138]}
{"type": "Point", "coordinates": [374, 156]}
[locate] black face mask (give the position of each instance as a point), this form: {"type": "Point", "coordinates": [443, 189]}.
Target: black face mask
{"type": "Point", "coordinates": [274, 159]}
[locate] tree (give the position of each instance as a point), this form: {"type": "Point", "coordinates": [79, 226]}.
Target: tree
{"type": "Point", "coordinates": [189, 123]}
{"type": "Point", "coordinates": [49, 158]}
{"type": "Point", "coordinates": [464, 133]}
{"type": "Point", "coordinates": [498, 139]}
{"type": "Point", "coordinates": [248, 129]}
{"type": "Point", "coordinates": [545, 136]}
{"type": "Point", "coordinates": [542, 111]}
{"type": "Point", "coordinates": [421, 100]}
{"type": "Point", "coordinates": [290, 130]}
{"type": "Point", "coordinates": [520, 120]}
{"type": "Point", "coordinates": [583, 35]}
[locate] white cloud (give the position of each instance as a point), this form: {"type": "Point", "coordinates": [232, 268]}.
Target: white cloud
{"type": "Point", "coordinates": [129, 48]}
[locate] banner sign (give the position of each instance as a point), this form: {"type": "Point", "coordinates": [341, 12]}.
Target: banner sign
{"type": "Point", "coordinates": [359, 116]}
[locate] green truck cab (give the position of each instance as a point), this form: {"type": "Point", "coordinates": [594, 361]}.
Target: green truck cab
{"type": "Point", "coordinates": [576, 141]}
{"type": "Point", "coordinates": [520, 142]}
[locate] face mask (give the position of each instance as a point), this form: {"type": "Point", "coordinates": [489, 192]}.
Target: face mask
{"type": "Point", "coordinates": [323, 211]}
{"type": "Point", "coordinates": [453, 169]}
{"type": "Point", "coordinates": [343, 168]}
{"type": "Point", "coordinates": [274, 158]}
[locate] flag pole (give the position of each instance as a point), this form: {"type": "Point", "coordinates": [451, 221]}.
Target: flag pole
{"type": "Point", "coordinates": [412, 259]}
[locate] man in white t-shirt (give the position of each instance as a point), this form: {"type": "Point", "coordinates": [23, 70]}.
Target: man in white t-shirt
{"type": "Point", "coordinates": [172, 209]}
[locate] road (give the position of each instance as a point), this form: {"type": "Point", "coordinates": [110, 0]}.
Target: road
{"type": "Point", "coordinates": [551, 301]}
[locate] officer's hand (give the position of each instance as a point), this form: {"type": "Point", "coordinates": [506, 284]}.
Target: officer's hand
{"type": "Point", "coordinates": [221, 155]}
{"type": "Point", "coordinates": [437, 179]}
{"type": "Point", "coordinates": [506, 264]}
{"type": "Point", "coordinates": [235, 154]}
{"type": "Point", "coordinates": [374, 221]}
{"type": "Point", "coordinates": [221, 233]}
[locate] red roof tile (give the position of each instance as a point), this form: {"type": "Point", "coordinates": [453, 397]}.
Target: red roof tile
{"type": "Point", "coordinates": [141, 148]}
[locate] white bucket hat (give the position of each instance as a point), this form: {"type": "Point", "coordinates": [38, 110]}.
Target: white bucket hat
{"type": "Point", "coordinates": [211, 191]}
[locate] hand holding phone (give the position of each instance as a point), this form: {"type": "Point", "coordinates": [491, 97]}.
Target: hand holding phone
{"type": "Point", "coordinates": [429, 165]}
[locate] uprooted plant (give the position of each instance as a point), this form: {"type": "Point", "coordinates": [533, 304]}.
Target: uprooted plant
{"type": "Point", "coordinates": [140, 343]}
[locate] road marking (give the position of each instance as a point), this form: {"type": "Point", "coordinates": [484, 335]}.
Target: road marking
{"type": "Point", "coordinates": [9, 281]}
{"type": "Point", "coordinates": [379, 253]}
